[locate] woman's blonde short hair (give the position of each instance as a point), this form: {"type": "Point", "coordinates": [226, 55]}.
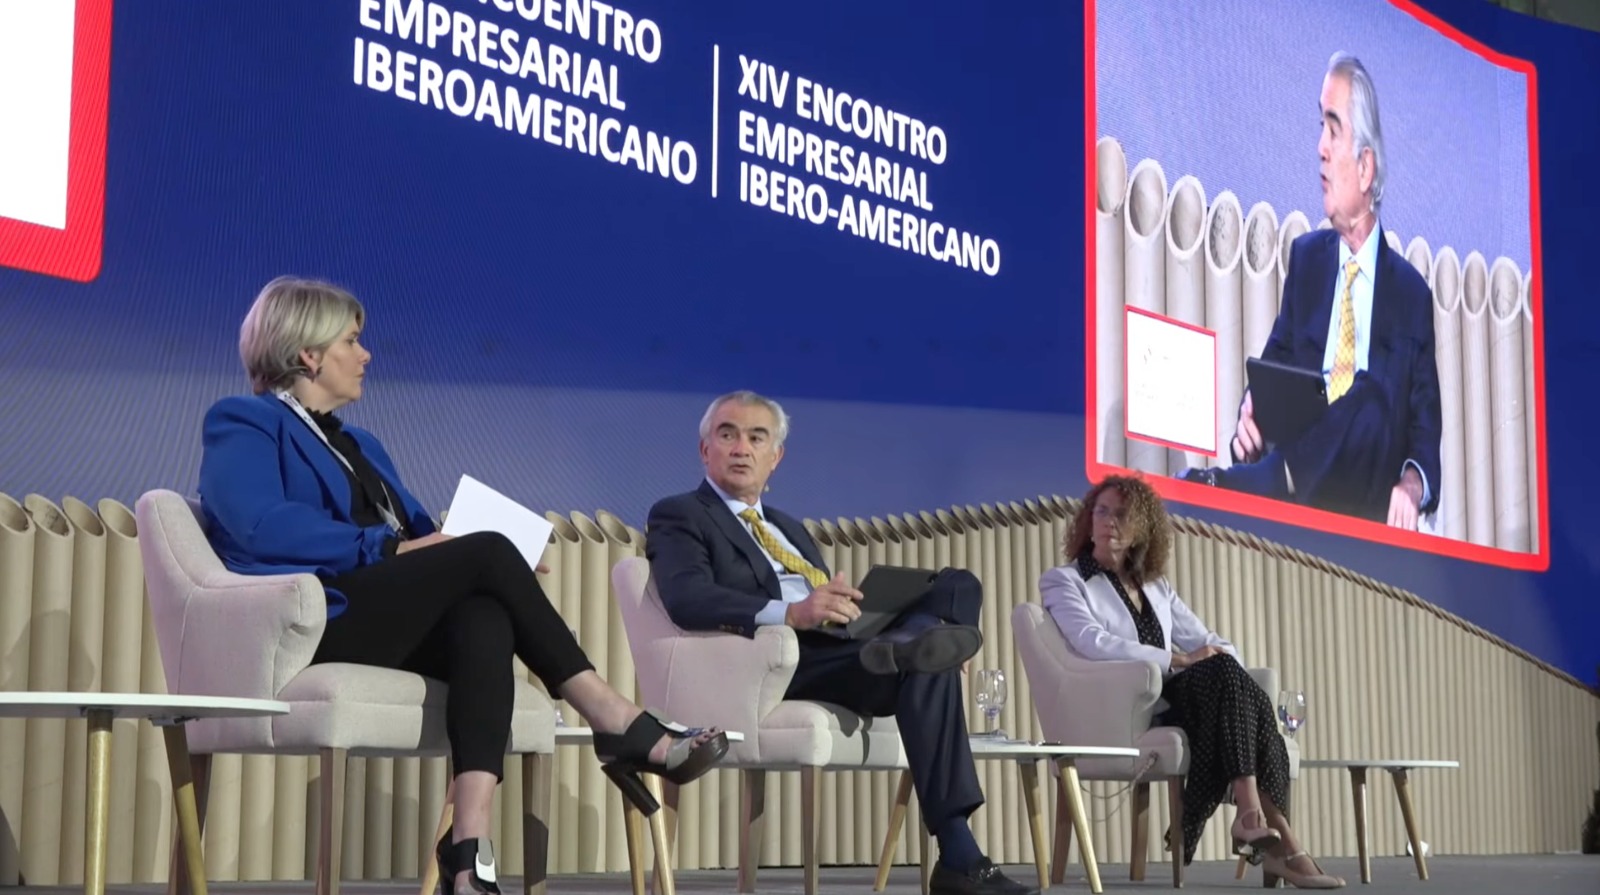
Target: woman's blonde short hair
{"type": "Point", "coordinates": [1148, 527]}
{"type": "Point", "coordinates": [291, 315]}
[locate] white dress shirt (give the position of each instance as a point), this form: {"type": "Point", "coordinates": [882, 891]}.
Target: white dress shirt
{"type": "Point", "coordinates": [793, 587]}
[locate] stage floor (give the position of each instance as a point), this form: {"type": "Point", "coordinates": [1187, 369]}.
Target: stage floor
{"type": "Point", "coordinates": [1544, 874]}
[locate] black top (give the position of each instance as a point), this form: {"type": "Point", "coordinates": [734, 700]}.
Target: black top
{"type": "Point", "coordinates": [367, 486]}
{"type": "Point", "coordinates": [1144, 618]}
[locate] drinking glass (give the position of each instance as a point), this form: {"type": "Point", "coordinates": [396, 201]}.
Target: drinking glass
{"type": "Point", "coordinates": [1292, 710]}
{"type": "Point", "coordinates": [990, 693]}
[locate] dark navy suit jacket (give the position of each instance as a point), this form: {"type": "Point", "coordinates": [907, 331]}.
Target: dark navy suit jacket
{"type": "Point", "coordinates": [1400, 354]}
{"type": "Point", "coordinates": [711, 574]}
{"type": "Point", "coordinates": [277, 501]}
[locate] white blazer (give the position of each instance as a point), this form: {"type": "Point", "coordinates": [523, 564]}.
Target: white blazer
{"type": "Point", "coordinates": [1097, 624]}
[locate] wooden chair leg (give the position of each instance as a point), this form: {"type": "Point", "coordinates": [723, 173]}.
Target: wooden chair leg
{"type": "Point", "coordinates": [331, 833]}
{"type": "Point", "coordinates": [1141, 831]}
{"type": "Point", "coordinates": [633, 828]}
{"type": "Point", "coordinates": [668, 797]}
{"type": "Point", "coordinates": [538, 806]}
{"type": "Point", "coordinates": [660, 841]}
{"type": "Point", "coordinates": [897, 823]}
{"type": "Point", "coordinates": [1175, 828]}
{"type": "Point", "coordinates": [752, 817]}
{"type": "Point", "coordinates": [1242, 866]}
{"type": "Point", "coordinates": [1080, 823]}
{"type": "Point", "coordinates": [181, 769]}
{"type": "Point", "coordinates": [1062, 847]}
{"type": "Point", "coordinates": [430, 865]}
{"type": "Point", "coordinates": [810, 795]}
{"type": "Point", "coordinates": [200, 779]}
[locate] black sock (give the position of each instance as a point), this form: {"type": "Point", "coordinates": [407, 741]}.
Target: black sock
{"type": "Point", "coordinates": [958, 851]}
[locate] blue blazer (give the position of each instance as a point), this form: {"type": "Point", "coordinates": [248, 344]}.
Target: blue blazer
{"type": "Point", "coordinates": [277, 501]}
{"type": "Point", "coordinates": [1400, 355]}
{"type": "Point", "coordinates": [709, 571]}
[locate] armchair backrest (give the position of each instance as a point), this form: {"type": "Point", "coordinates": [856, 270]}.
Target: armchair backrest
{"type": "Point", "coordinates": [1081, 701]}
{"type": "Point", "coordinates": [221, 633]}
{"type": "Point", "coordinates": [651, 633]}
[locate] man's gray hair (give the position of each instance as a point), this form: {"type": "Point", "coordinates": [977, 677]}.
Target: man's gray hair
{"type": "Point", "coordinates": [749, 399]}
{"type": "Point", "coordinates": [291, 315]}
{"type": "Point", "coordinates": [1366, 128]}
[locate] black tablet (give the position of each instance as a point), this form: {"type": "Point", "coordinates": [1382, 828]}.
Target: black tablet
{"type": "Point", "coordinates": [1286, 400]}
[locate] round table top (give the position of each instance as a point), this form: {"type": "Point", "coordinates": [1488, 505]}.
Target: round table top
{"type": "Point", "coordinates": [577, 736]}
{"type": "Point", "coordinates": [984, 747]}
{"type": "Point", "coordinates": [1386, 764]}
{"type": "Point", "coordinates": [154, 706]}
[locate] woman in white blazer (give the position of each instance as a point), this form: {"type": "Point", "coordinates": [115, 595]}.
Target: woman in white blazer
{"type": "Point", "coordinates": [1112, 601]}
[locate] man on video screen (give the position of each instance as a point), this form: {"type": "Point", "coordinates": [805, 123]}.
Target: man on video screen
{"type": "Point", "coordinates": [1356, 310]}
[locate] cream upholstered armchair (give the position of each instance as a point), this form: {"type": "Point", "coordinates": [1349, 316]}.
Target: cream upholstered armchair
{"type": "Point", "coordinates": [223, 634]}
{"type": "Point", "coordinates": [738, 683]}
{"type": "Point", "coordinates": [1096, 703]}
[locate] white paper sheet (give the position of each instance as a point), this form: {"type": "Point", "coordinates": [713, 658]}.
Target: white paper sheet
{"type": "Point", "coordinates": [478, 507]}
{"type": "Point", "coordinates": [1172, 382]}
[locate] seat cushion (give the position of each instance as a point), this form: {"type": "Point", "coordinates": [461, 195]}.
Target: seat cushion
{"type": "Point", "coordinates": [800, 733]}
{"type": "Point", "coordinates": [373, 711]}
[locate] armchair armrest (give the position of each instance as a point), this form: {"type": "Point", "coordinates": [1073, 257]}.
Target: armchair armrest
{"type": "Point", "coordinates": [725, 680]}
{"type": "Point", "coordinates": [247, 635]}
{"type": "Point", "coordinates": [1099, 703]}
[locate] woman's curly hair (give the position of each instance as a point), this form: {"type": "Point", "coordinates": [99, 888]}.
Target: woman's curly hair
{"type": "Point", "coordinates": [1147, 527]}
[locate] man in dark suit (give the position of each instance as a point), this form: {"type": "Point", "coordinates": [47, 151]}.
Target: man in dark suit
{"type": "Point", "coordinates": [722, 561]}
{"type": "Point", "coordinates": [1357, 311]}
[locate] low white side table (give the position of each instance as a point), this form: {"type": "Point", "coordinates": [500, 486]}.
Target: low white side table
{"type": "Point", "coordinates": [169, 713]}
{"type": "Point", "coordinates": [1028, 757]}
{"type": "Point", "coordinates": [1398, 769]}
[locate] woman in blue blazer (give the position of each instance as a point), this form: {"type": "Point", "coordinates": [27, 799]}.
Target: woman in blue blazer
{"type": "Point", "coordinates": [287, 488]}
{"type": "Point", "coordinates": [1112, 601]}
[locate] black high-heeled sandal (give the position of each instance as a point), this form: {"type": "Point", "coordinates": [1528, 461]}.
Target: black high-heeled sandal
{"type": "Point", "coordinates": [624, 756]}
{"type": "Point", "coordinates": [474, 854]}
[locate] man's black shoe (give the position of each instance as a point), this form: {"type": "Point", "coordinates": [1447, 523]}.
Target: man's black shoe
{"type": "Point", "coordinates": [983, 879]}
{"type": "Point", "coordinates": [927, 650]}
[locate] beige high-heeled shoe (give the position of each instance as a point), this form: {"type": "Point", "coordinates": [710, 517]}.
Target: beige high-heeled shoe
{"type": "Point", "coordinates": [1274, 868]}
{"type": "Point", "coordinates": [1253, 841]}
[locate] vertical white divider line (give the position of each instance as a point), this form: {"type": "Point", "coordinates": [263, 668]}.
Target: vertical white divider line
{"type": "Point", "coordinates": [716, 89]}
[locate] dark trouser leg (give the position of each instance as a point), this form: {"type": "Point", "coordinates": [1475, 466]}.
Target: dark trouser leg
{"type": "Point", "coordinates": [1346, 463]}
{"type": "Point", "coordinates": [470, 650]}
{"type": "Point", "coordinates": [395, 604]}
{"type": "Point", "coordinates": [928, 707]}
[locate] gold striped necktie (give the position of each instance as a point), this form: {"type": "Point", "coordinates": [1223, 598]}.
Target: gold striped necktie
{"type": "Point", "coordinates": [791, 562]}
{"type": "Point", "coordinates": [1344, 356]}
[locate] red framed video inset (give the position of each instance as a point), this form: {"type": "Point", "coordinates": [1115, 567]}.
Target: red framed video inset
{"type": "Point", "coordinates": [60, 230]}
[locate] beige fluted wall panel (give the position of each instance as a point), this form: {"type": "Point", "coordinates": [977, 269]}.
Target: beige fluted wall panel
{"type": "Point", "coordinates": [1530, 384]}
{"type": "Point", "coordinates": [1294, 226]}
{"type": "Point", "coordinates": [1145, 274]}
{"type": "Point", "coordinates": [1224, 253]}
{"type": "Point", "coordinates": [1387, 674]}
{"type": "Point", "coordinates": [1186, 275]}
{"type": "Point", "coordinates": [47, 670]}
{"type": "Point", "coordinates": [1111, 192]}
{"type": "Point", "coordinates": [17, 533]}
{"type": "Point", "coordinates": [1261, 294]}
{"type": "Point", "coordinates": [1475, 394]}
{"type": "Point", "coordinates": [1447, 347]}
{"type": "Point", "coordinates": [1507, 406]}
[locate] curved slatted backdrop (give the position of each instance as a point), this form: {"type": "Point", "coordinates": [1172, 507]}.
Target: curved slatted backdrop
{"type": "Point", "coordinates": [1387, 674]}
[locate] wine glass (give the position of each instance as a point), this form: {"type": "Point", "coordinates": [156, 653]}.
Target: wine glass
{"type": "Point", "coordinates": [1292, 710]}
{"type": "Point", "coordinates": [990, 694]}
